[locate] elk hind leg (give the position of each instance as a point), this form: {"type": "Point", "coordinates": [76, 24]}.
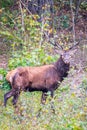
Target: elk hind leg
{"type": "Point", "coordinates": [7, 96]}
{"type": "Point", "coordinates": [15, 97]}
{"type": "Point", "coordinates": [52, 93]}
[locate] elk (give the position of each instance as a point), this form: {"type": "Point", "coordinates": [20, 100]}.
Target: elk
{"type": "Point", "coordinates": [41, 78]}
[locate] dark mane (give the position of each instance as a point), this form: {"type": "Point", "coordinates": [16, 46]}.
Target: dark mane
{"type": "Point", "coordinates": [62, 68]}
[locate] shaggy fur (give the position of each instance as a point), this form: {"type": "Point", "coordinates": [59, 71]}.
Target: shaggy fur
{"type": "Point", "coordinates": [44, 78]}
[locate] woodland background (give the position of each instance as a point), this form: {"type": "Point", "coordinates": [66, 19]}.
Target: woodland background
{"type": "Point", "coordinates": [31, 32]}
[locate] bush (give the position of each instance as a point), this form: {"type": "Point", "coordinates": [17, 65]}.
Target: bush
{"type": "Point", "coordinates": [6, 3]}
{"type": "Point", "coordinates": [3, 83]}
{"type": "Point", "coordinates": [35, 58]}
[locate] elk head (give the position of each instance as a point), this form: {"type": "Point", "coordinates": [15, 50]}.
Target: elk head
{"type": "Point", "coordinates": [67, 55]}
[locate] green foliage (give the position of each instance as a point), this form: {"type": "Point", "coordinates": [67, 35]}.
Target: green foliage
{"type": "Point", "coordinates": [3, 83]}
{"type": "Point", "coordinates": [84, 5]}
{"type": "Point", "coordinates": [84, 84]}
{"type": "Point", "coordinates": [10, 36]}
{"type": "Point", "coordinates": [6, 17]}
{"type": "Point", "coordinates": [6, 3]}
{"type": "Point", "coordinates": [65, 88]}
{"type": "Point", "coordinates": [25, 38]}
{"type": "Point", "coordinates": [35, 58]}
{"type": "Point", "coordinates": [65, 21]}
{"type": "Point", "coordinates": [2, 75]}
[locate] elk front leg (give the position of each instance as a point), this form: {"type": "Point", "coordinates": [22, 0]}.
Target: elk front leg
{"type": "Point", "coordinates": [43, 98]}
{"type": "Point", "coordinates": [52, 93]}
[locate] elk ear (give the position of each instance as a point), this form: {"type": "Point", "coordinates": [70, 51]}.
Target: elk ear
{"type": "Point", "coordinates": [60, 52]}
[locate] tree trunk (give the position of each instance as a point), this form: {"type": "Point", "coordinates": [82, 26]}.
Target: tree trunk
{"type": "Point", "coordinates": [38, 6]}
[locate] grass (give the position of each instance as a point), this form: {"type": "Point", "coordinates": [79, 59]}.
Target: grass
{"type": "Point", "coordinates": [70, 111]}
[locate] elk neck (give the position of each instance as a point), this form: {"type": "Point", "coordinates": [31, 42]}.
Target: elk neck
{"type": "Point", "coordinates": [62, 67]}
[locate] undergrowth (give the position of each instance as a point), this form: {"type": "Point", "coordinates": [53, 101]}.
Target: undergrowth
{"type": "Point", "coordinates": [66, 111]}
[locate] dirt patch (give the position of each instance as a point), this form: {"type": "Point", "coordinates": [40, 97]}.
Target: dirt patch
{"type": "Point", "coordinates": [3, 61]}
{"type": "Point", "coordinates": [3, 55]}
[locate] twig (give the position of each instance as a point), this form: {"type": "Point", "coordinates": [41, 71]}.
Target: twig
{"type": "Point", "coordinates": [22, 16]}
{"type": "Point", "coordinates": [52, 42]}
{"type": "Point", "coordinates": [77, 9]}
{"type": "Point", "coordinates": [73, 21]}
{"type": "Point", "coordinates": [27, 9]}
{"type": "Point", "coordinates": [42, 31]}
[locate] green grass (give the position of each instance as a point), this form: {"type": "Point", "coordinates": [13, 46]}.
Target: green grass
{"type": "Point", "coordinates": [70, 111]}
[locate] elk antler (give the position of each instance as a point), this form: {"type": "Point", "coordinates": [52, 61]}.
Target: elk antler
{"type": "Point", "coordinates": [52, 42]}
{"type": "Point", "coordinates": [76, 44]}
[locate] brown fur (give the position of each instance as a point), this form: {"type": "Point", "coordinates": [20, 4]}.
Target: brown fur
{"type": "Point", "coordinates": [43, 78]}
